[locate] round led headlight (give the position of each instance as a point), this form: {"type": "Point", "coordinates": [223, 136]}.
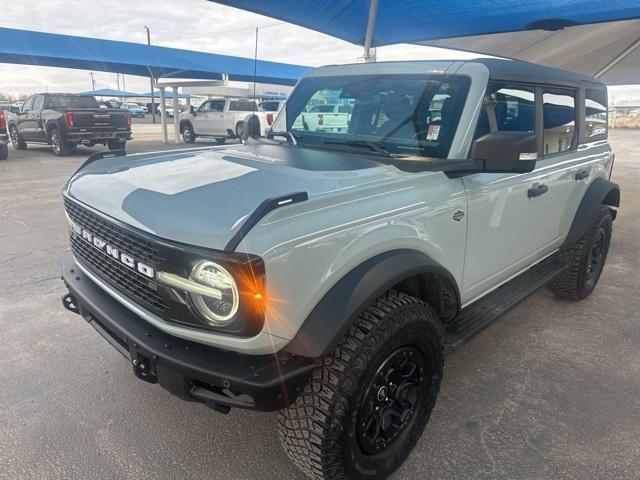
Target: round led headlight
{"type": "Point", "coordinates": [219, 307]}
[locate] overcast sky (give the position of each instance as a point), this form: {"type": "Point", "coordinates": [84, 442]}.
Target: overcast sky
{"type": "Point", "coordinates": [189, 24]}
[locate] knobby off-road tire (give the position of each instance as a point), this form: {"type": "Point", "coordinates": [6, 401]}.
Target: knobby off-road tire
{"type": "Point", "coordinates": [391, 358]}
{"type": "Point", "coordinates": [59, 145]}
{"type": "Point", "coordinates": [16, 139]}
{"type": "Point", "coordinates": [585, 259]}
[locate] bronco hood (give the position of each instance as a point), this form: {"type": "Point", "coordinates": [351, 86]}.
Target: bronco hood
{"type": "Point", "coordinates": [202, 196]}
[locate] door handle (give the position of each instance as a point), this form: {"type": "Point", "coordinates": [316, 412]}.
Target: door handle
{"type": "Point", "coordinates": [581, 175]}
{"type": "Point", "coordinates": [537, 189]}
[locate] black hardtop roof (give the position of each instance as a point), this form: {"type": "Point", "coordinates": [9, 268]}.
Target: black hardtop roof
{"type": "Point", "coordinates": [520, 71]}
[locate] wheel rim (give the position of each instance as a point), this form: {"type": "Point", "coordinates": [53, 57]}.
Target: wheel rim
{"type": "Point", "coordinates": [596, 255]}
{"type": "Point", "coordinates": [13, 133]}
{"type": "Point", "coordinates": [391, 400]}
{"type": "Point", "coordinates": [55, 142]}
{"type": "Point", "coordinates": [186, 133]}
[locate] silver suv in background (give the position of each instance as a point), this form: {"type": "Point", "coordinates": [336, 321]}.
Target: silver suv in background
{"type": "Point", "coordinates": [325, 273]}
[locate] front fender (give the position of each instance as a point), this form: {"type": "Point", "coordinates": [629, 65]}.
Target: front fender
{"type": "Point", "coordinates": [354, 293]}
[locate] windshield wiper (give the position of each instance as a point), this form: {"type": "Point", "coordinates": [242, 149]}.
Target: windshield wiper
{"type": "Point", "coordinates": [358, 143]}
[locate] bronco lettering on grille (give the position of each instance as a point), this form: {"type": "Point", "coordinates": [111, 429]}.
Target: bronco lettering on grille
{"type": "Point", "coordinates": [112, 251]}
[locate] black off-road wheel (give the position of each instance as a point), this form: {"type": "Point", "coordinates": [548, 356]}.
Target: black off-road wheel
{"type": "Point", "coordinates": [367, 403]}
{"type": "Point", "coordinates": [58, 144]}
{"type": "Point", "coordinates": [585, 259]}
{"type": "Point", "coordinates": [16, 139]}
{"type": "Point", "coordinates": [4, 151]}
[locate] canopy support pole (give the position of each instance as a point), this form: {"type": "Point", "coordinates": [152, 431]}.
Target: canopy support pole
{"type": "Point", "coordinates": [371, 26]}
{"type": "Point", "coordinates": [176, 115]}
{"type": "Point", "coordinates": [163, 116]}
{"type": "Point", "coordinates": [624, 54]}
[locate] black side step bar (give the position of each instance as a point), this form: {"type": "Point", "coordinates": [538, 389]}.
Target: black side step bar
{"type": "Point", "coordinates": [259, 213]}
{"type": "Point", "coordinates": [478, 315]}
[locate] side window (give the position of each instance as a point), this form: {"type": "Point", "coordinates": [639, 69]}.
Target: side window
{"type": "Point", "coordinates": [204, 107]}
{"type": "Point", "coordinates": [28, 104]}
{"type": "Point", "coordinates": [559, 112]}
{"type": "Point", "coordinates": [37, 102]}
{"type": "Point", "coordinates": [507, 109]}
{"type": "Point", "coordinates": [595, 113]}
{"type": "Point", "coordinates": [217, 106]}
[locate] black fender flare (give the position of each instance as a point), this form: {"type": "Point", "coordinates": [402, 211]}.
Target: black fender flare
{"type": "Point", "coordinates": [355, 292]}
{"type": "Point", "coordinates": [600, 191]}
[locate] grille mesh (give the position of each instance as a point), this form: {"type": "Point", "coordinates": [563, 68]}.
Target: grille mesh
{"type": "Point", "coordinates": [139, 287]}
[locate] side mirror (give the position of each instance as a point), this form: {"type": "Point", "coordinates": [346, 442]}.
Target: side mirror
{"type": "Point", "coordinates": [192, 110]}
{"type": "Point", "coordinates": [252, 127]}
{"type": "Point", "coordinates": [506, 152]}
{"type": "Point", "coordinates": [14, 109]}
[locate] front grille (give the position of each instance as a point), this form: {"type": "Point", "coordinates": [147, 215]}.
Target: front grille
{"type": "Point", "coordinates": [130, 282]}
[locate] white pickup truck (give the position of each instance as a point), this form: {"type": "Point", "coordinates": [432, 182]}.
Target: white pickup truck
{"type": "Point", "coordinates": [217, 118]}
{"type": "Point", "coordinates": [326, 118]}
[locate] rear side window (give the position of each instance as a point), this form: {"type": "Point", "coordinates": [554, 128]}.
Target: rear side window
{"type": "Point", "coordinates": [242, 106]}
{"type": "Point", "coordinates": [507, 109]}
{"type": "Point", "coordinates": [73, 102]}
{"type": "Point", "coordinates": [595, 113]}
{"type": "Point", "coordinates": [559, 112]}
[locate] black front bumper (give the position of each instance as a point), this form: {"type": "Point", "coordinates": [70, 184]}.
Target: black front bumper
{"type": "Point", "coordinates": [190, 370]}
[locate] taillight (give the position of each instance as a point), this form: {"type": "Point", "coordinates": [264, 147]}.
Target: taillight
{"type": "Point", "coordinates": [270, 118]}
{"type": "Point", "coordinates": [128, 114]}
{"type": "Point", "coordinates": [68, 117]}
{"type": "Point", "coordinates": [3, 122]}
{"type": "Point", "coordinates": [320, 119]}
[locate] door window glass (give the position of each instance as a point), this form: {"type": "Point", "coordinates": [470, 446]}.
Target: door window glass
{"type": "Point", "coordinates": [205, 107]}
{"type": "Point", "coordinates": [507, 109]}
{"type": "Point", "coordinates": [559, 111]}
{"type": "Point", "coordinates": [37, 102]}
{"type": "Point", "coordinates": [28, 105]}
{"type": "Point", "coordinates": [217, 106]}
{"type": "Point", "coordinates": [595, 113]}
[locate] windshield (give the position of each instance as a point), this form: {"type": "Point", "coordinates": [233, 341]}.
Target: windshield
{"type": "Point", "coordinates": [403, 114]}
{"type": "Point", "coordinates": [269, 106]}
{"type": "Point", "coordinates": [74, 102]}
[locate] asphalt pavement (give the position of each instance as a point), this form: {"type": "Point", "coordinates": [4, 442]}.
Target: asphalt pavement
{"type": "Point", "coordinates": [549, 390]}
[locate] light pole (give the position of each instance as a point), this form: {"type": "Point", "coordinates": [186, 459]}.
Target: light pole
{"type": "Point", "coordinates": [153, 100]}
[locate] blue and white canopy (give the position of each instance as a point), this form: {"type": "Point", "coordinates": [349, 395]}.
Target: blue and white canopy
{"type": "Point", "coordinates": [597, 38]}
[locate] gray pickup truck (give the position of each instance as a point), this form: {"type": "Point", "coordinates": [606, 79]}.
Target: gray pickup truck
{"type": "Point", "coordinates": [325, 273]}
{"type": "Point", "coordinates": [65, 121]}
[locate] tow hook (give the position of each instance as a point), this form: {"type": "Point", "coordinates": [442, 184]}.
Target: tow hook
{"type": "Point", "coordinates": [142, 369]}
{"type": "Point", "coordinates": [69, 302]}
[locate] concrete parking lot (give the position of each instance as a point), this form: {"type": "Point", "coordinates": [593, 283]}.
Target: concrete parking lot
{"type": "Point", "coordinates": [550, 390]}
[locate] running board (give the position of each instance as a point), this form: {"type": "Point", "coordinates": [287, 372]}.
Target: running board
{"type": "Point", "coordinates": [481, 313]}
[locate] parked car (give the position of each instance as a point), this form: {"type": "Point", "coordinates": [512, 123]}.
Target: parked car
{"type": "Point", "coordinates": [134, 109]}
{"type": "Point", "coordinates": [5, 105]}
{"type": "Point", "coordinates": [266, 114]}
{"type": "Point", "coordinates": [4, 137]}
{"type": "Point", "coordinates": [218, 118]}
{"type": "Point", "coordinates": [327, 117]}
{"type": "Point", "coordinates": [65, 121]}
{"type": "Point", "coordinates": [324, 274]}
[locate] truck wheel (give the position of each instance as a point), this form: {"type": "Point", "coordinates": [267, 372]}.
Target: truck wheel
{"type": "Point", "coordinates": [116, 144]}
{"type": "Point", "coordinates": [4, 151]}
{"type": "Point", "coordinates": [585, 259]}
{"type": "Point", "coordinates": [59, 146]}
{"type": "Point", "coordinates": [188, 135]}
{"type": "Point", "coordinates": [367, 403]}
{"type": "Point", "coordinates": [16, 139]}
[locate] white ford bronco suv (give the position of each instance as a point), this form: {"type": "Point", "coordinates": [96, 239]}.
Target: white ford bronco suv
{"type": "Point", "coordinates": [325, 274]}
